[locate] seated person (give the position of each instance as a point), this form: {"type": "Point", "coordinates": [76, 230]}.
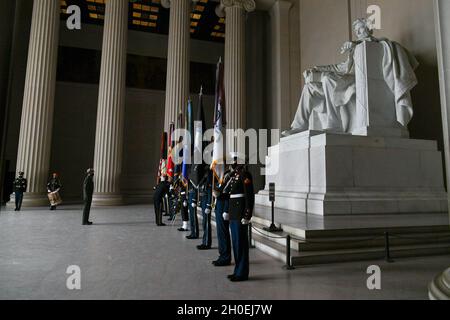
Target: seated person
{"type": "Point", "coordinates": [330, 91]}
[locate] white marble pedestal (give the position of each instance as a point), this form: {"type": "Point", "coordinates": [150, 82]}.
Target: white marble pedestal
{"type": "Point", "coordinates": [333, 174]}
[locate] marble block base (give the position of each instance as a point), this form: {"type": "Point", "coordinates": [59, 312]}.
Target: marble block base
{"type": "Point", "coordinates": [338, 174]}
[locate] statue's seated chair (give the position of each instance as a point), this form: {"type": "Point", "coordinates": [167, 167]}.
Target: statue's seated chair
{"type": "Point", "coordinates": [376, 112]}
{"type": "Point", "coordinates": [372, 109]}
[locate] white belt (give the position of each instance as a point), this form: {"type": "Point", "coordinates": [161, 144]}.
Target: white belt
{"type": "Point", "coordinates": [234, 196]}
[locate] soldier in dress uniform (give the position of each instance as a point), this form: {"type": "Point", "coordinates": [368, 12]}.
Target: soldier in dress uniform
{"type": "Point", "coordinates": [53, 185]}
{"type": "Point", "coordinates": [19, 187]}
{"type": "Point", "coordinates": [206, 202]}
{"type": "Point", "coordinates": [184, 209]}
{"type": "Point", "coordinates": [242, 200]}
{"type": "Point", "coordinates": [221, 193]}
{"type": "Point", "coordinates": [88, 191]}
{"type": "Point", "coordinates": [192, 206]}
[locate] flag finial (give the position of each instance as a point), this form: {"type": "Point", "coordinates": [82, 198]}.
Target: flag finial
{"type": "Point", "coordinates": [201, 90]}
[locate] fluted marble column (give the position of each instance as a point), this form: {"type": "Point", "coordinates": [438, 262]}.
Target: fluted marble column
{"type": "Point", "coordinates": [440, 286]}
{"type": "Point", "coordinates": [38, 103]}
{"type": "Point", "coordinates": [178, 58]}
{"type": "Point", "coordinates": [111, 102]}
{"type": "Point", "coordinates": [234, 64]}
{"type": "Point", "coordinates": [279, 20]}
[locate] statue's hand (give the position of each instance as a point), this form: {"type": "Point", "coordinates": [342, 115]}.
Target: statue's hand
{"type": "Point", "coordinates": [347, 46]}
{"type": "Point", "coordinates": [307, 74]}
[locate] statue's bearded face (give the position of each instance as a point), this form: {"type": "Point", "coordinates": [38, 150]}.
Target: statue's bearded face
{"type": "Point", "coordinates": [362, 31]}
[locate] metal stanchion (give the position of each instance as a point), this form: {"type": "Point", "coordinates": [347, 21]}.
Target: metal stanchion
{"type": "Point", "coordinates": [273, 227]}
{"type": "Point", "coordinates": [386, 248]}
{"type": "Point", "coordinates": [288, 265]}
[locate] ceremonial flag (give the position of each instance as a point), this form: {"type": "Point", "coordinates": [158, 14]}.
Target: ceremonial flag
{"type": "Point", "coordinates": [218, 161]}
{"type": "Point", "coordinates": [162, 169]}
{"type": "Point", "coordinates": [199, 129]}
{"type": "Point", "coordinates": [187, 145]}
{"type": "Point", "coordinates": [171, 143]}
{"type": "Point", "coordinates": [179, 145]}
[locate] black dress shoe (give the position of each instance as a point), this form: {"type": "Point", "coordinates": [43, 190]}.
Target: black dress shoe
{"type": "Point", "coordinates": [161, 224]}
{"type": "Point", "coordinates": [191, 237]}
{"type": "Point", "coordinates": [230, 276]}
{"type": "Point", "coordinates": [182, 229]}
{"type": "Point", "coordinates": [238, 279]}
{"type": "Point", "coordinates": [203, 247]}
{"type": "Point", "coordinates": [87, 223]}
{"type": "Point", "coordinates": [221, 263]}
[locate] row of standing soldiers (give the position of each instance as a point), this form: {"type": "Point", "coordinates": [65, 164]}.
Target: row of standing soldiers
{"type": "Point", "coordinates": [232, 201]}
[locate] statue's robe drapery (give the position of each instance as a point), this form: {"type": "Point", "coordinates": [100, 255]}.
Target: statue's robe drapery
{"type": "Point", "coordinates": [330, 95]}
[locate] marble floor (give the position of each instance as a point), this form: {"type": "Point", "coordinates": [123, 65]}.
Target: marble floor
{"type": "Point", "coordinates": [125, 256]}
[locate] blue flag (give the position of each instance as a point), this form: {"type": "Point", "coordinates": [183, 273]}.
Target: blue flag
{"type": "Point", "coordinates": [187, 144]}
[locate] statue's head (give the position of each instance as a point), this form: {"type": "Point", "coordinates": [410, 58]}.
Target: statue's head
{"type": "Point", "coordinates": [361, 28]}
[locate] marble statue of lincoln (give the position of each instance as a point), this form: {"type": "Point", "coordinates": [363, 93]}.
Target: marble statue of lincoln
{"type": "Point", "coordinates": [330, 91]}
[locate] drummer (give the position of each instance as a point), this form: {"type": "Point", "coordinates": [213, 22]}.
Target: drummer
{"type": "Point", "coordinates": [53, 187]}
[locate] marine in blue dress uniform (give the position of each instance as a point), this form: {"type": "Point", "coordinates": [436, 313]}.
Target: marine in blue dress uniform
{"type": "Point", "coordinates": [242, 200]}
{"type": "Point", "coordinates": [221, 193]}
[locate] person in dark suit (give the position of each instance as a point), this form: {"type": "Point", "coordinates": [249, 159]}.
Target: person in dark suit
{"type": "Point", "coordinates": [19, 186]}
{"type": "Point", "coordinates": [88, 190]}
{"type": "Point", "coordinates": [242, 200]}
{"type": "Point", "coordinates": [161, 190]}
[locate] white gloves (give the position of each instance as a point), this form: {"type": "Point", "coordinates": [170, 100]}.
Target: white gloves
{"type": "Point", "coordinates": [185, 204]}
{"type": "Point", "coordinates": [226, 216]}
{"type": "Point", "coordinates": [245, 221]}
{"type": "Point", "coordinates": [194, 205]}
{"type": "Point", "coordinates": [207, 211]}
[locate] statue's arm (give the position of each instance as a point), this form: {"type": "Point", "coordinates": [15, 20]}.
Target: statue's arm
{"type": "Point", "coordinates": [340, 68]}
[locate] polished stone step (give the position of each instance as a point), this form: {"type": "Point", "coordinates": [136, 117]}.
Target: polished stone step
{"type": "Point", "coordinates": [278, 251]}
{"type": "Point", "coordinates": [312, 226]}
{"type": "Point", "coordinates": [320, 245]}
{"type": "Point", "coordinates": [349, 241]}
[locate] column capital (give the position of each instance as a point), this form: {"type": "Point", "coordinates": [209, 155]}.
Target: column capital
{"type": "Point", "coordinates": [166, 3]}
{"type": "Point", "coordinates": [281, 6]}
{"type": "Point", "coordinates": [247, 5]}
